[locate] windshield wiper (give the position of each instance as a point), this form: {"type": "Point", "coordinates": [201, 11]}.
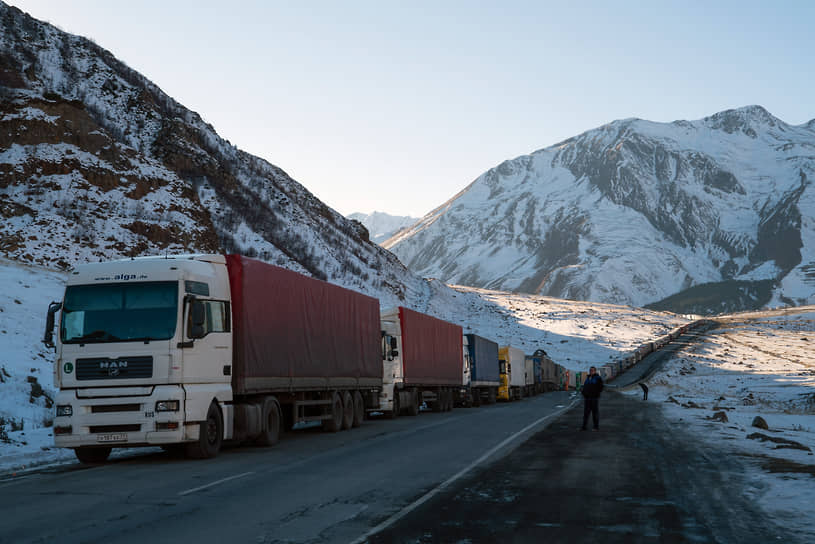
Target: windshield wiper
{"type": "Point", "coordinates": [145, 339]}
{"type": "Point", "coordinates": [96, 336]}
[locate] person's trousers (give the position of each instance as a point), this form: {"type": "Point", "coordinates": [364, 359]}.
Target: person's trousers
{"type": "Point", "coordinates": [591, 406]}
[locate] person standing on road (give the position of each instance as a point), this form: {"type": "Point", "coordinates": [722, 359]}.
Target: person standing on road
{"type": "Point", "coordinates": [644, 391]}
{"type": "Point", "coordinates": [592, 388]}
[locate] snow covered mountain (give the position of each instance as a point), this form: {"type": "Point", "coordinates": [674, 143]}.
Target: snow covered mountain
{"type": "Point", "coordinates": [96, 162]}
{"type": "Point", "coordinates": [382, 226]}
{"type": "Point", "coordinates": [718, 214]}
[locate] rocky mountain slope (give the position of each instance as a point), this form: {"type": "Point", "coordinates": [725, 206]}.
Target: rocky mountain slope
{"type": "Point", "coordinates": [718, 213]}
{"type": "Point", "coordinates": [382, 226]}
{"type": "Point", "coordinates": [96, 162]}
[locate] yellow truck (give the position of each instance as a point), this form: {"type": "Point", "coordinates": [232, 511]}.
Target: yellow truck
{"type": "Point", "coordinates": [511, 377]}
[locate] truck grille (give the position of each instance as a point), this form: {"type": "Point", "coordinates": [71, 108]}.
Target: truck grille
{"type": "Point", "coordinates": [112, 408]}
{"type": "Point", "coordinates": [114, 369]}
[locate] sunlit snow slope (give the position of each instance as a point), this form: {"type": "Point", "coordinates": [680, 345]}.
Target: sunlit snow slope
{"type": "Point", "coordinates": [636, 211]}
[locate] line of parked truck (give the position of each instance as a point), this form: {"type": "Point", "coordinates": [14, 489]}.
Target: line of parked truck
{"type": "Point", "coordinates": [190, 351]}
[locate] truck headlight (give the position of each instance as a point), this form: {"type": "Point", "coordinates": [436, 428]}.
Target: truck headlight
{"type": "Point", "coordinates": [167, 406]}
{"type": "Point", "coordinates": [64, 410]}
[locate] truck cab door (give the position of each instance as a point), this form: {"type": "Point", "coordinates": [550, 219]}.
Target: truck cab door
{"type": "Point", "coordinates": [207, 345]}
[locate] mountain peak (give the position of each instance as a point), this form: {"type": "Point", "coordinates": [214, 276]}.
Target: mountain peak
{"type": "Point", "coordinates": [748, 119]}
{"type": "Point", "coordinates": [381, 225]}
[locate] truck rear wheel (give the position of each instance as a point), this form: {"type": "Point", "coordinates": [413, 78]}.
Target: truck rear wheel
{"type": "Point", "coordinates": [270, 425]}
{"type": "Point", "coordinates": [210, 435]}
{"type": "Point", "coordinates": [347, 410]}
{"type": "Point", "coordinates": [359, 409]}
{"type": "Point", "coordinates": [92, 456]}
{"type": "Point", "coordinates": [334, 424]}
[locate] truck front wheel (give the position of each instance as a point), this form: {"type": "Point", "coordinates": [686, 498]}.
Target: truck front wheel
{"type": "Point", "coordinates": [92, 456]}
{"type": "Point", "coordinates": [396, 408]}
{"type": "Point", "coordinates": [413, 407]}
{"type": "Point", "coordinates": [210, 434]}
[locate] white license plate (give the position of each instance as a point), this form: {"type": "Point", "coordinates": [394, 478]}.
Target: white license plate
{"type": "Point", "coordinates": [120, 437]}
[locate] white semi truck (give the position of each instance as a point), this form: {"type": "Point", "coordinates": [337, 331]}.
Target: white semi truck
{"type": "Point", "coordinates": [194, 350]}
{"type": "Point", "coordinates": [423, 362]}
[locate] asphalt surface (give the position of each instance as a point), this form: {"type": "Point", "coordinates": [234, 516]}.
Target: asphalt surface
{"type": "Point", "coordinates": [311, 487]}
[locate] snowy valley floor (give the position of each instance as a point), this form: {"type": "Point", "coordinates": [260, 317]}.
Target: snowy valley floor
{"type": "Point", "coordinates": [753, 364]}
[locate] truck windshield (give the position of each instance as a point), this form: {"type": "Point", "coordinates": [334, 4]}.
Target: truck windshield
{"type": "Point", "coordinates": [119, 312]}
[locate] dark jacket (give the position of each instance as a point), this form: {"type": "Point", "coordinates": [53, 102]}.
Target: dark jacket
{"type": "Point", "coordinates": [592, 387]}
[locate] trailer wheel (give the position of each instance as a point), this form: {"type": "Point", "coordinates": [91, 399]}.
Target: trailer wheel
{"type": "Point", "coordinates": [451, 401]}
{"type": "Point", "coordinates": [476, 396]}
{"type": "Point", "coordinates": [270, 431]}
{"type": "Point", "coordinates": [92, 456]}
{"type": "Point", "coordinates": [210, 435]}
{"type": "Point", "coordinates": [359, 409]}
{"type": "Point", "coordinates": [393, 414]}
{"type": "Point", "coordinates": [347, 410]}
{"type": "Point", "coordinates": [438, 404]}
{"type": "Point", "coordinates": [413, 407]}
{"type": "Point", "coordinates": [493, 396]}
{"type": "Point", "coordinates": [335, 423]}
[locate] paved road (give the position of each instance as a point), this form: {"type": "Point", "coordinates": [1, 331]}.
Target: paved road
{"type": "Point", "coordinates": [637, 480]}
{"type": "Point", "coordinates": [312, 487]}
{"type": "Point", "coordinates": [654, 361]}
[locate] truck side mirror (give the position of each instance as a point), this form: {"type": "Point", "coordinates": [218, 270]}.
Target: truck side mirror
{"type": "Point", "coordinates": [48, 338]}
{"type": "Point", "coordinates": [198, 316]}
{"type": "Point", "coordinates": [394, 353]}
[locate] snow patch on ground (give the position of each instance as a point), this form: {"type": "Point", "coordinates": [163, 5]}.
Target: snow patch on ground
{"type": "Point", "coordinates": [756, 364]}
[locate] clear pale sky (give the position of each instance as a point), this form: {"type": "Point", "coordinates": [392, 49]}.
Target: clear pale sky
{"type": "Point", "coordinates": [396, 106]}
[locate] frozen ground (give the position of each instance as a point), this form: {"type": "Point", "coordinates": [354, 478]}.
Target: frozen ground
{"type": "Point", "coordinates": [756, 364]}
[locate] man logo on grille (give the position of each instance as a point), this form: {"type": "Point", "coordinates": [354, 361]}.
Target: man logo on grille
{"type": "Point", "coordinates": [113, 367]}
